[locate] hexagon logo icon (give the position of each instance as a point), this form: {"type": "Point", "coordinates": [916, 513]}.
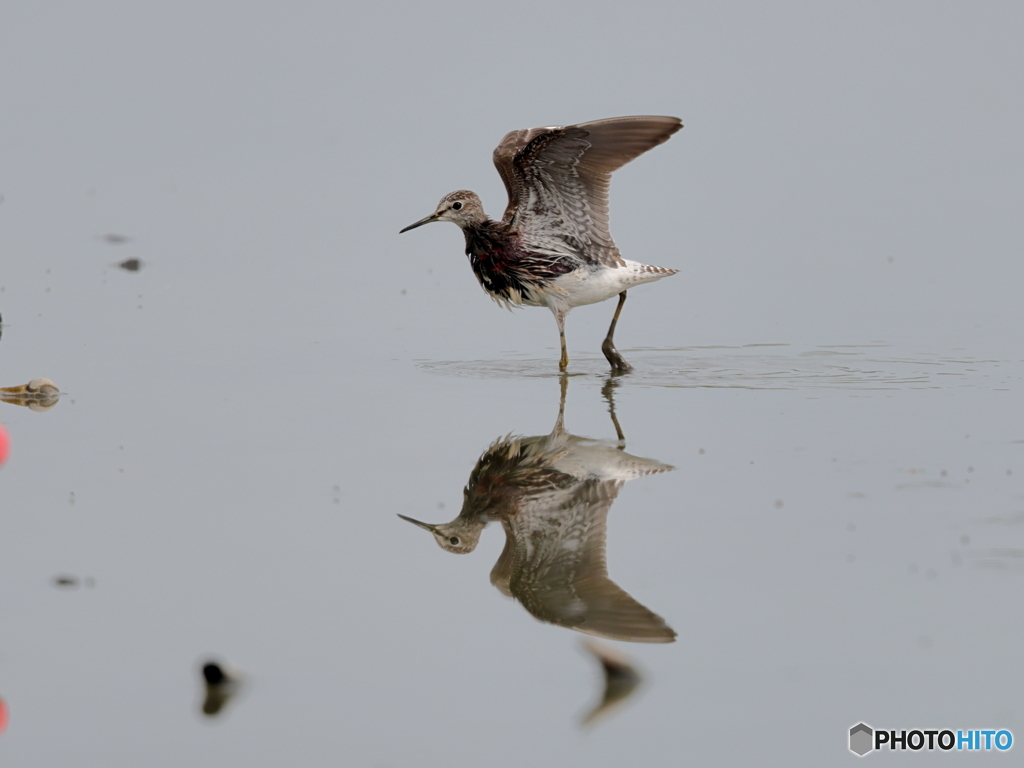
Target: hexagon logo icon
{"type": "Point", "coordinates": [861, 738]}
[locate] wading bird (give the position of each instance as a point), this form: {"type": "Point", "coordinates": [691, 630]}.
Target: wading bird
{"type": "Point", "coordinates": [552, 248]}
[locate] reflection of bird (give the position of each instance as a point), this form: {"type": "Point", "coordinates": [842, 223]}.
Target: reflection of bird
{"type": "Point", "coordinates": [553, 247]}
{"type": "Point", "coordinates": [38, 394]}
{"type": "Point", "coordinates": [552, 495]}
{"type": "Point", "coordinates": [221, 686]}
{"type": "Point", "coordinates": [620, 680]}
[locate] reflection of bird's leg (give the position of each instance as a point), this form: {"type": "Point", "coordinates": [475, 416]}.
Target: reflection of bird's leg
{"type": "Point", "coordinates": [563, 384]}
{"type": "Point", "coordinates": [608, 347]}
{"type": "Point", "coordinates": [563, 363]}
{"type": "Point", "coordinates": [608, 390]}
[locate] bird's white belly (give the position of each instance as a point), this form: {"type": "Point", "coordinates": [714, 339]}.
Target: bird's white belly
{"type": "Point", "coordinates": [589, 286]}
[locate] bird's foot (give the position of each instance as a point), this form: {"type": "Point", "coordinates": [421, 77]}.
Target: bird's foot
{"type": "Point", "coordinates": [618, 363]}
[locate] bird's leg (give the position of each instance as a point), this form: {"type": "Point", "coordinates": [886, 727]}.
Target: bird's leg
{"type": "Point", "coordinates": [608, 347]}
{"type": "Point", "coordinates": [563, 363]}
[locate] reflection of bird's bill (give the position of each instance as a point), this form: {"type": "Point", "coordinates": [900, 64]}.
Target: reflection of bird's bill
{"type": "Point", "coordinates": [222, 684]}
{"type": "Point", "coordinates": [38, 395]}
{"type": "Point", "coordinates": [621, 680]}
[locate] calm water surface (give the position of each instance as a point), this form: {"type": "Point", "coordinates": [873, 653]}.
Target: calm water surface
{"type": "Point", "coordinates": [842, 521]}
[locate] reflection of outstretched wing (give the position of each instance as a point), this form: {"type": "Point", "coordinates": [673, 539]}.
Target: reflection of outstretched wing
{"type": "Point", "coordinates": [555, 565]}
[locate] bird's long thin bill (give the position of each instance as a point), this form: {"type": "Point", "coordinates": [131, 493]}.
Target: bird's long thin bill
{"type": "Point", "coordinates": [420, 223]}
{"type": "Point", "coordinates": [428, 526]}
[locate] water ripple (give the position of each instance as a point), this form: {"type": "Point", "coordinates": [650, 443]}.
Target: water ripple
{"type": "Point", "coordinates": [763, 366]}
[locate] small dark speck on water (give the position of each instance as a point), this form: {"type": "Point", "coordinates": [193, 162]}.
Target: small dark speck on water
{"type": "Point", "coordinates": [778, 503]}
{"type": "Point", "coordinates": [131, 265]}
{"type": "Point", "coordinates": [115, 239]}
{"type": "Point", "coordinates": [965, 540]}
{"type": "Point", "coordinates": [65, 581]}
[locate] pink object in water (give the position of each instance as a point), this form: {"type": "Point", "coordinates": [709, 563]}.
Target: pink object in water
{"type": "Point", "coordinates": [5, 448]}
{"type": "Point", "coordinates": [3, 715]}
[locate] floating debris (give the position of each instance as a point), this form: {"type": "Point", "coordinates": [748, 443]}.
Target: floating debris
{"type": "Point", "coordinates": [620, 680]}
{"type": "Point", "coordinates": [69, 582]}
{"type": "Point", "coordinates": [131, 265]}
{"type": "Point", "coordinates": [115, 239]}
{"type": "Point", "coordinates": [38, 395]}
{"type": "Point", "coordinates": [221, 686]}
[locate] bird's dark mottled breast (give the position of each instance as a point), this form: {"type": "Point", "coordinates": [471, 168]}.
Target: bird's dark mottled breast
{"type": "Point", "coordinates": [502, 266]}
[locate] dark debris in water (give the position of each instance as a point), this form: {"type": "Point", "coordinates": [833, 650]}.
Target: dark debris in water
{"type": "Point", "coordinates": [66, 581]}
{"type": "Point", "coordinates": [131, 265]}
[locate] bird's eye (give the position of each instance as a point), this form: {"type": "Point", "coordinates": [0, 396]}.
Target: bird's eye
{"type": "Point", "coordinates": [457, 206]}
{"type": "Point", "coordinates": [454, 540]}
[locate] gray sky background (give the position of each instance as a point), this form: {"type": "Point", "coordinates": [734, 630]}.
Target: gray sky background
{"type": "Point", "coordinates": [847, 186]}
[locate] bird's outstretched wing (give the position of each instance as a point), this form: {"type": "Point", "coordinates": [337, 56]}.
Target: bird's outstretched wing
{"type": "Point", "coordinates": [557, 180]}
{"type": "Point", "coordinates": [557, 569]}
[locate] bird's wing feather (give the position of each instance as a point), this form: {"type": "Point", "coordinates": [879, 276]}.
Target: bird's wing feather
{"type": "Point", "coordinates": [557, 180]}
{"type": "Point", "coordinates": [559, 572]}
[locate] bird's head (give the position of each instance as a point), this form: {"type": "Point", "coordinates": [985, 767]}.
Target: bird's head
{"type": "Point", "coordinates": [458, 536]}
{"type": "Point", "coordinates": [462, 207]}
